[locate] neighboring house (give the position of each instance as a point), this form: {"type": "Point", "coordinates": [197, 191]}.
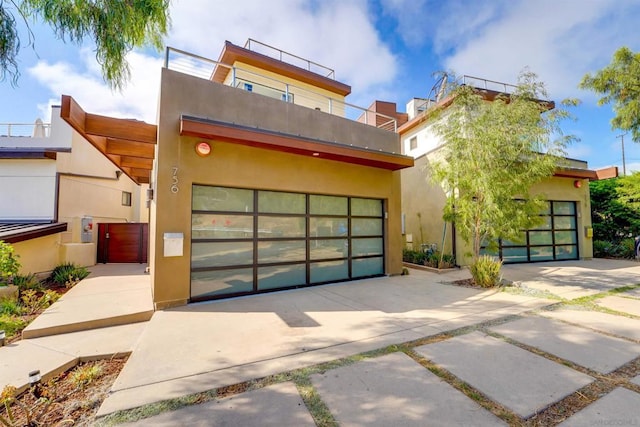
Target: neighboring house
{"type": "Point", "coordinates": [567, 233]}
{"type": "Point", "coordinates": [56, 189]}
{"type": "Point", "coordinates": [263, 177]}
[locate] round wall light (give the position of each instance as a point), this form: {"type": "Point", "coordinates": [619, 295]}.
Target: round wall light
{"type": "Point", "coordinates": [203, 149]}
{"type": "Point", "coordinates": [577, 183]}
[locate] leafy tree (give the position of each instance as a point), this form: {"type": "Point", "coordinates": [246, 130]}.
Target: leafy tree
{"type": "Point", "coordinates": [629, 193]}
{"type": "Point", "coordinates": [612, 219]}
{"type": "Point", "coordinates": [115, 26]}
{"type": "Point", "coordinates": [619, 83]}
{"type": "Point", "coordinates": [493, 153]}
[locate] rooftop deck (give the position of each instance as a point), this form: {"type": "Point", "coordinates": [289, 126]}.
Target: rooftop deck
{"type": "Point", "coordinates": [264, 84]}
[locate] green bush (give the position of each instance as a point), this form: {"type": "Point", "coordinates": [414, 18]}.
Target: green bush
{"type": "Point", "coordinates": [625, 248]}
{"type": "Point", "coordinates": [68, 274]}
{"type": "Point", "coordinates": [486, 271]}
{"type": "Point", "coordinates": [9, 264]}
{"type": "Point", "coordinates": [11, 324]}
{"type": "Point", "coordinates": [448, 261]}
{"type": "Point", "coordinates": [10, 307]}
{"type": "Point", "coordinates": [414, 257]}
{"type": "Point", "coordinates": [27, 281]}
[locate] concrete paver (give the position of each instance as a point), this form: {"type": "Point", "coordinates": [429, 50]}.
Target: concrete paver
{"type": "Point", "coordinates": [509, 375]}
{"type": "Point", "coordinates": [575, 279]}
{"type": "Point", "coordinates": [276, 405]}
{"type": "Point", "coordinates": [584, 347]}
{"type": "Point", "coordinates": [608, 323]}
{"type": "Point", "coordinates": [618, 408]}
{"type": "Point", "coordinates": [625, 305]}
{"type": "Point", "coordinates": [55, 354]}
{"type": "Point", "coordinates": [96, 343]}
{"type": "Point", "coordinates": [268, 334]}
{"type": "Point", "coordinates": [636, 380]}
{"type": "Point", "coordinates": [100, 300]}
{"type": "Point", "coordinates": [634, 293]}
{"type": "Point", "coordinates": [394, 390]}
{"type": "Point", "coordinates": [18, 359]}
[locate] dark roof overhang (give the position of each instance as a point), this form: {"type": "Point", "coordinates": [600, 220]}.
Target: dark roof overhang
{"type": "Point", "coordinates": [295, 144]}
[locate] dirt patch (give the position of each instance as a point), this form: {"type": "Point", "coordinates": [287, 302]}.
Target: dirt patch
{"type": "Point", "coordinates": [71, 398]}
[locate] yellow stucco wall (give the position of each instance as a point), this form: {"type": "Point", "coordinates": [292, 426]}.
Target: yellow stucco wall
{"type": "Point", "coordinates": [38, 255]}
{"type": "Point", "coordinates": [246, 167]}
{"type": "Point", "coordinates": [303, 93]}
{"type": "Point", "coordinates": [89, 187]}
{"type": "Point", "coordinates": [422, 205]}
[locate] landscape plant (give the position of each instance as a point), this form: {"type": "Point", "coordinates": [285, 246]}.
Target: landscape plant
{"type": "Point", "coordinates": [68, 274]}
{"type": "Point", "coordinates": [619, 84]}
{"type": "Point", "coordinates": [494, 150]}
{"type": "Point", "coordinates": [9, 264]}
{"type": "Point", "coordinates": [486, 271]}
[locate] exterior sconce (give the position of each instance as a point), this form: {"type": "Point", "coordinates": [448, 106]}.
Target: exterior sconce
{"type": "Point", "coordinates": [577, 183]}
{"type": "Point", "coordinates": [203, 149]}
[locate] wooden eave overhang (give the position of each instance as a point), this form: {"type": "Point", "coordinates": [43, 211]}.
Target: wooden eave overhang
{"type": "Point", "coordinates": [128, 144]}
{"type": "Point", "coordinates": [19, 232]}
{"type": "Point", "coordinates": [232, 53]}
{"type": "Point", "coordinates": [294, 144]}
{"type": "Point", "coordinates": [576, 173]}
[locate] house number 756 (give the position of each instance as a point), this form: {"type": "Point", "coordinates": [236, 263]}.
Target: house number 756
{"type": "Point", "coordinates": [174, 180]}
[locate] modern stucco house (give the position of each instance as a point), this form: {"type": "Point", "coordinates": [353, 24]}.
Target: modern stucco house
{"type": "Point", "coordinates": [264, 178]}
{"type": "Point", "coordinates": [566, 233]}
{"type": "Point", "coordinates": [56, 189]}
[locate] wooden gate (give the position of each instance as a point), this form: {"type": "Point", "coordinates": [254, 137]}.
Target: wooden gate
{"type": "Point", "coordinates": [123, 242]}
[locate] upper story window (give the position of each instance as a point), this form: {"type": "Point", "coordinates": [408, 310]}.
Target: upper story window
{"type": "Point", "coordinates": [413, 143]}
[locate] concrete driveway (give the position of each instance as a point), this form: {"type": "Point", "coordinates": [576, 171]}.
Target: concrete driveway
{"type": "Point", "coordinates": [209, 345]}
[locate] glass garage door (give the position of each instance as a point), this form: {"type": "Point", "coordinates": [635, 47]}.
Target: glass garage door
{"type": "Point", "coordinates": [248, 241]}
{"type": "Point", "coordinates": [555, 239]}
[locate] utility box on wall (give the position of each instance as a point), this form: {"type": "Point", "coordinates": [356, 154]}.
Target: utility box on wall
{"type": "Point", "coordinates": [86, 232]}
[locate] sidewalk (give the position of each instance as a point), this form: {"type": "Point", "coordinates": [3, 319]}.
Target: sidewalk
{"type": "Point", "coordinates": [101, 316]}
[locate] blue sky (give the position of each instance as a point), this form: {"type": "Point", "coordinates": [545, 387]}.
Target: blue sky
{"type": "Point", "coordinates": [385, 49]}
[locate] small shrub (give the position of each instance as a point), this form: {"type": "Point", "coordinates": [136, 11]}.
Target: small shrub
{"type": "Point", "coordinates": [32, 302]}
{"type": "Point", "coordinates": [601, 248]}
{"type": "Point", "coordinates": [486, 271]}
{"type": "Point", "coordinates": [10, 307]}
{"type": "Point", "coordinates": [414, 257]}
{"type": "Point", "coordinates": [68, 274]}
{"type": "Point", "coordinates": [84, 375]}
{"type": "Point", "coordinates": [448, 261]}
{"type": "Point", "coordinates": [27, 281]}
{"type": "Point", "coordinates": [11, 324]}
{"type": "Point", "coordinates": [9, 264]}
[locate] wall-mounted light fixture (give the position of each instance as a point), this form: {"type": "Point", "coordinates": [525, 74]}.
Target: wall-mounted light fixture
{"type": "Point", "coordinates": [577, 183]}
{"type": "Point", "coordinates": [203, 149]}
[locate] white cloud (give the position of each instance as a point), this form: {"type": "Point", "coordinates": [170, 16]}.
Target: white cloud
{"type": "Point", "coordinates": [339, 34]}
{"type": "Point", "coordinates": [85, 84]}
{"type": "Point", "coordinates": [560, 41]}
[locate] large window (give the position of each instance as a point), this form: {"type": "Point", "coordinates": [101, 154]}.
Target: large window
{"type": "Point", "coordinates": [247, 241]}
{"type": "Point", "coordinates": [555, 239]}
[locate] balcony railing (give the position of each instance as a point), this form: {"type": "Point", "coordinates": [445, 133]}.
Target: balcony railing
{"type": "Point", "coordinates": [289, 58]}
{"type": "Point", "coordinates": [438, 93]}
{"type": "Point", "coordinates": [31, 130]}
{"type": "Point", "coordinates": [245, 79]}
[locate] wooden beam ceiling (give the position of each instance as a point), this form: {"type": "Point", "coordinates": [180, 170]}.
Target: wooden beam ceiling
{"type": "Point", "coordinates": [128, 144]}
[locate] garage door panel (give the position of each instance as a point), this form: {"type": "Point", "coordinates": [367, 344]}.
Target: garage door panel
{"type": "Point", "coordinates": [246, 241]}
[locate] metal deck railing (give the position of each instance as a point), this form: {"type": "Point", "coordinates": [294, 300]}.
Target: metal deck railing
{"type": "Point", "coordinates": [262, 84]}
{"type": "Point", "coordinates": [31, 130]}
